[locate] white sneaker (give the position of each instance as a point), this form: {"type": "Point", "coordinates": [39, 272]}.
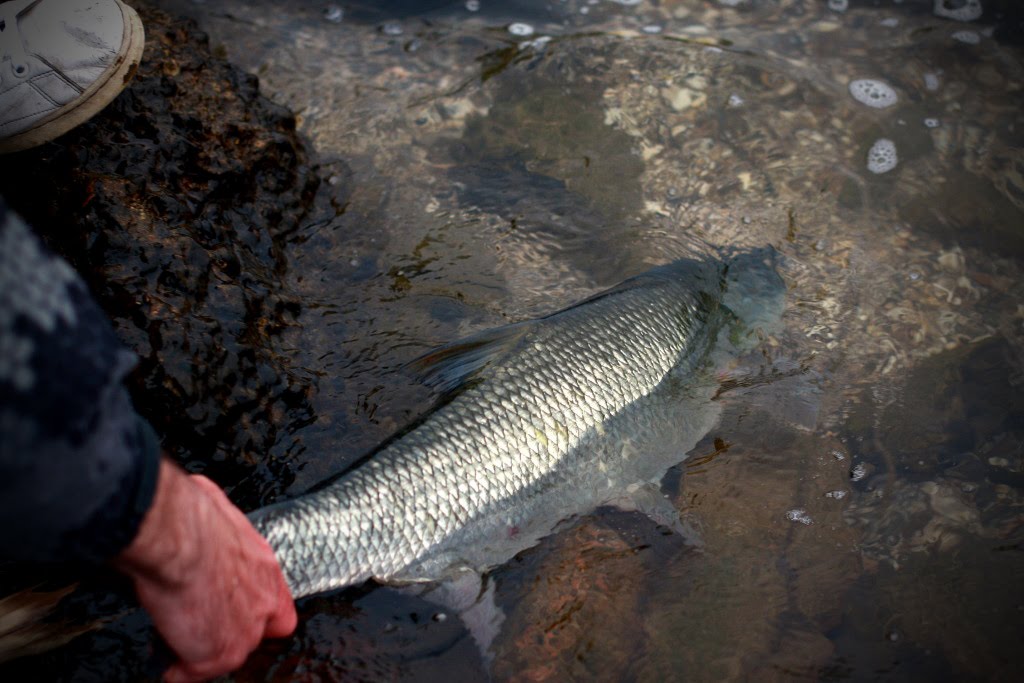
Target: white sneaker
{"type": "Point", "coordinates": [61, 62]}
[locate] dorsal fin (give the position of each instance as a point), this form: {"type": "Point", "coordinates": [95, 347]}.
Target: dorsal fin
{"type": "Point", "coordinates": [450, 367]}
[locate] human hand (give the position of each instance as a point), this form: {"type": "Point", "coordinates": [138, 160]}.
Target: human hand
{"type": "Point", "coordinates": [207, 578]}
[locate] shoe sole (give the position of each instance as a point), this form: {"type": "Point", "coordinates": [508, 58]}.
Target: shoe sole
{"type": "Point", "coordinates": [96, 96]}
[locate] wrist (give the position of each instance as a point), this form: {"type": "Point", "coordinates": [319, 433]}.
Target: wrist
{"type": "Point", "coordinates": [165, 549]}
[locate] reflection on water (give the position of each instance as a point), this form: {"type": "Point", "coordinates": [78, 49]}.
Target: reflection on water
{"type": "Point", "coordinates": [862, 520]}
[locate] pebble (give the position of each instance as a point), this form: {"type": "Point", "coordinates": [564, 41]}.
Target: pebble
{"type": "Point", "coordinates": [968, 37]}
{"type": "Point", "coordinates": [334, 14]}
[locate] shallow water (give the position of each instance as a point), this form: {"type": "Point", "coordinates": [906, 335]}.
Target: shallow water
{"type": "Point", "coordinates": [861, 518]}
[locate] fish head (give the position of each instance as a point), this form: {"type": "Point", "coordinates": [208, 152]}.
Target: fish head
{"type": "Point", "coordinates": [753, 292]}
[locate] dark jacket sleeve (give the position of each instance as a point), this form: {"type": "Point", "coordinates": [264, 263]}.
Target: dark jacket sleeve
{"type": "Point", "coordinates": [78, 466]}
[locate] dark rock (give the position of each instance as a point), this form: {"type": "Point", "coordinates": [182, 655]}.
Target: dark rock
{"type": "Point", "coordinates": [177, 203]}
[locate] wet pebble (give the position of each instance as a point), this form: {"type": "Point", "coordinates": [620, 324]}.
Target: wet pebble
{"type": "Point", "coordinates": [882, 156]}
{"type": "Point", "coordinates": [968, 37]}
{"type": "Point", "coordinates": [873, 93]}
{"type": "Point", "coordinates": [838, 5]}
{"type": "Point", "coordinates": [735, 100]}
{"type": "Point", "coordinates": [627, 3]}
{"type": "Point", "coordinates": [931, 81]}
{"type": "Point", "coordinates": [392, 28]}
{"type": "Point", "coordinates": [838, 494]}
{"type": "Point", "coordinates": [473, 5]}
{"type": "Point", "coordinates": [652, 29]}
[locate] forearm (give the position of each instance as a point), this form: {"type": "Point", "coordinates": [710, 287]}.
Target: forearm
{"type": "Point", "coordinates": [77, 465]}
{"type": "Point", "coordinates": [167, 542]}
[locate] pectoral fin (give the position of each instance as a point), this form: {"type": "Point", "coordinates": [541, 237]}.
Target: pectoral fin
{"type": "Point", "coordinates": [471, 596]}
{"type": "Point", "coordinates": [648, 499]}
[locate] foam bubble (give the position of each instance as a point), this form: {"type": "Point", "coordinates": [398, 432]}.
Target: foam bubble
{"type": "Point", "coordinates": [473, 5]}
{"type": "Point", "coordinates": [799, 515]}
{"type": "Point", "coordinates": [838, 5]}
{"type": "Point", "coordinates": [882, 156]}
{"type": "Point", "coordinates": [969, 11]}
{"type": "Point", "coordinates": [652, 29]}
{"type": "Point", "coordinates": [931, 123]}
{"type": "Point", "coordinates": [931, 81]}
{"type": "Point", "coordinates": [520, 29]}
{"type": "Point", "coordinates": [877, 94]}
{"type": "Point", "coordinates": [735, 100]}
{"type": "Point", "coordinates": [858, 472]}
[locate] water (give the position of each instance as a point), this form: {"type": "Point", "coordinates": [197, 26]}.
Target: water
{"type": "Point", "coordinates": [861, 518]}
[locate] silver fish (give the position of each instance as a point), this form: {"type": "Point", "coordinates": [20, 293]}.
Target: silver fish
{"type": "Point", "coordinates": [541, 420]}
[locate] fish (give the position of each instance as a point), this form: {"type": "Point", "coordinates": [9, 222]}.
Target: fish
{"type": "Point", "coordinates": [537, 422]}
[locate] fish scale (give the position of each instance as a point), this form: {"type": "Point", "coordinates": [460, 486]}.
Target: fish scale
{"type": "Point", "coordinates": [539, 424]}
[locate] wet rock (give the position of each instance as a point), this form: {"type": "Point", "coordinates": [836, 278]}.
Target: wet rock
{"type": "Point", "coordinates": [367, 634]}
{"type": "Point", "coordinates": [559, 629]}
{"type": "Point", "coordinates": [967, 200]}
{"type": "Point", "coordinates": [964, 610]}
{"type": "Point", "coordinates": [558, 129]}
{"type": "Point", "coordinates": [952, 403]}
{"type": "Point", "coordinates": [176, 204]}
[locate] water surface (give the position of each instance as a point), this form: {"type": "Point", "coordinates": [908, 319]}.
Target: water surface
{"type": "Point", "coordinates": [489, 162]}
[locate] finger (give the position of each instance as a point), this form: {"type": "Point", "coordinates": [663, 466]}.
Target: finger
{"type": "Point", "coordinates": [180, 673]}
{"type": "Point", "coordinates": [195, 672]}
{"type": "Point", "coordinates": [283, 621]}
